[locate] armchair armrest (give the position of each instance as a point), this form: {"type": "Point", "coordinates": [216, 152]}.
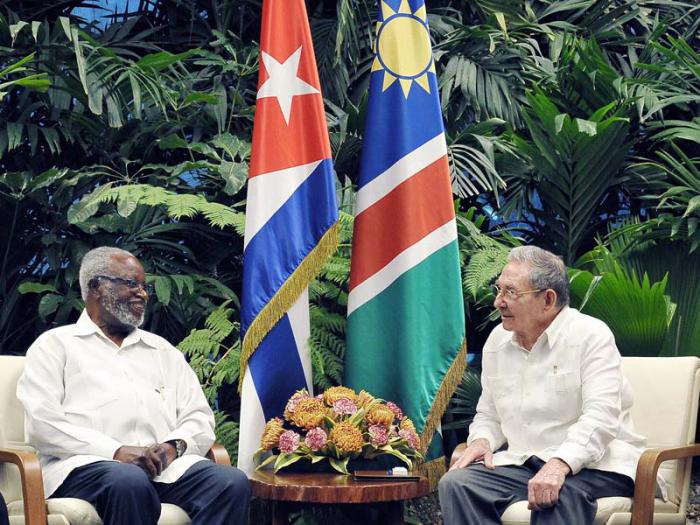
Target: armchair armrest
{"type": "Point", "coordinates": [32, 484]}
{"type": "Point", "coordinates": [459, 449]}
{"type": "Point", "coordinates": [218, 454]}
{"type": "Point", "coordinates": [645, 483]}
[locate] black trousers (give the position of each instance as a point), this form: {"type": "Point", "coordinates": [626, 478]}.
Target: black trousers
{"type": "Point", "coordinates": [4, 520]}
{"type": "Point", "coordinates": [479, 496]}
{"type": "Point", "coordinates": [211, 494]}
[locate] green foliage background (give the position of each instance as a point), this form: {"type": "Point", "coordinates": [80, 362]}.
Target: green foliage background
{"type": "Point", "coordinates": [572, 124]}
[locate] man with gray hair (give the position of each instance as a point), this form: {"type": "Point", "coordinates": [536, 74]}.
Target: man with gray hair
{"type": "Point", "coordinates": [117, 414]}
{"type": "Point", "coordinates": [553, 423]}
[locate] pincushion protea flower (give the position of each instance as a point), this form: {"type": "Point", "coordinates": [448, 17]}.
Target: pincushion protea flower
{"type": "Point", "coordinates": [271, 434]}
{"type": "Point", "coordinates": [346, 437]}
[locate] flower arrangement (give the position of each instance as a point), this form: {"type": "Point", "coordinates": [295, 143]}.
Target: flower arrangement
{"type": "Point", "coordinates": [337, 425]}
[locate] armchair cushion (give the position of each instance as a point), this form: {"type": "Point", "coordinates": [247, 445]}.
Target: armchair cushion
{"type": "Point", "coordinates": [517, 513]}
{"type": "Point", "coordinates": [79, 511]}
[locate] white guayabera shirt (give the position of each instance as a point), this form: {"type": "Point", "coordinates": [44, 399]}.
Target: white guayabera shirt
{"type": "Point", "coordinates": [566, 398]}
{"type": "Point", "coordinates": [84, 397]}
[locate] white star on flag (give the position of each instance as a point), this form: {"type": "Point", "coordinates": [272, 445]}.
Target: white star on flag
{"type": "Point", "coordinates": [284, 84]}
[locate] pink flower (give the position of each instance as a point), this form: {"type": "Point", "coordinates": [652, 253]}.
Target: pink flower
{"type": "Point", "coordinates": [316, 438]}
{"type": "Point", "coordinates": [292, 403]}
{"type": "Point", "coordinates": [289, 441]}
{"type": "Point", "coordinates": [378, 435]}
{"type": "Point", "coordinates": [344, 406]}
{"type": "Point", "coordinates": [395, 409]}
{"type": "Point", "coordinates": [411, 437]}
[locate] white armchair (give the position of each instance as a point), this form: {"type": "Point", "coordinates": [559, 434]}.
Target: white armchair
{"type": "Point", "coordinates": [20, 472]}
{"type": "Point", "coordinates": [665, 411]}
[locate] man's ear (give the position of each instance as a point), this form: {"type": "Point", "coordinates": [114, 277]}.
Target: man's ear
{"type": "Point", "coordinates": [550, 298]}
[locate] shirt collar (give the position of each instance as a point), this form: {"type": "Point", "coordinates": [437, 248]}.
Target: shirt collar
{"type": "Point", "coordinates": [86, 326]}
{"type": "Point", "coordinates": [556, 326]}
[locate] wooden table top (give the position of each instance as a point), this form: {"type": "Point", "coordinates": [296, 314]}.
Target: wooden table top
{"type": "Point", "coordinates": [331, 488]}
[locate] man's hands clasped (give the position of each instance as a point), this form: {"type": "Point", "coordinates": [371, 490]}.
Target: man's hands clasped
{"type": "Point", "coordinates": [153, 460]}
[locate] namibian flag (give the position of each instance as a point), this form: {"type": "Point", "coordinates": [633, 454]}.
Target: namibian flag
{"type": "Point", "coordinates": [405, 339]}
{"type": "Point", "coordinates": [291, 217]}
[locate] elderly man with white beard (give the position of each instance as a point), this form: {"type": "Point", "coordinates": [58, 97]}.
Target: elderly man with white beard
{"type": "Point", "coordinates": [116, 413]}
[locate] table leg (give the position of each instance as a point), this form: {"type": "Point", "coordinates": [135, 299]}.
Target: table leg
{"type": "Point", "coordinates": [280, 513]}
{"type": "Point", "coordinates": [395, 513]}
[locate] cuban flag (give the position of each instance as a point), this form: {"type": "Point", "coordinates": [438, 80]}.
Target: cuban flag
{"type": "Point", "coordinates": [291, 221]}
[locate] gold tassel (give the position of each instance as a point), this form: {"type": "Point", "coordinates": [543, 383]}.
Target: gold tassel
{"type": "Point", "coordinates": [433, 470]}
{"type": "Point", "coordinates": [443, 396]}
{"type": "Point", "coordinates": [285, 297]}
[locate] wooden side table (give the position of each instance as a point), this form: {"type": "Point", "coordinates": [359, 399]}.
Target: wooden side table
{"type": "Point", "coordinates": [327, 488]}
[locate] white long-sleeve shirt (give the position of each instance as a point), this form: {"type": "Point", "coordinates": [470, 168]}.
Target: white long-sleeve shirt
{"type": "Point", "coordinates": [84, 397]}
{"type": "Point", "coordinates": [566, 398]}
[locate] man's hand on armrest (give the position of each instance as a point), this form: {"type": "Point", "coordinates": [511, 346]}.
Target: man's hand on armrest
{"type": "Point", "coordinates": [479, 449]}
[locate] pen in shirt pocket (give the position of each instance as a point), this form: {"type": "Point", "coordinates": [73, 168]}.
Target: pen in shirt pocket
{"type": "Point", "coordinates": [161, 392]}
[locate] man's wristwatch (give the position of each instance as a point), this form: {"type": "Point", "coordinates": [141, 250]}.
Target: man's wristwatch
{"type": "Point", "coordinates": [180, 446]}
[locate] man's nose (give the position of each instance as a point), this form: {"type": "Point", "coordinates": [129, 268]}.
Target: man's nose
{"type": "Point", "coordinates": [141, 292]}
{"type": "Point", "coordinates": [498, 302]}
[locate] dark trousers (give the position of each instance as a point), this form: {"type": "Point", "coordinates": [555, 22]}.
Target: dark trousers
{"type": "Point", "coordinates": [211, 494]}
{"type": "Point", "coordinates": [479, 496]}
{"type": "Point", "coordinates": [4, 520]}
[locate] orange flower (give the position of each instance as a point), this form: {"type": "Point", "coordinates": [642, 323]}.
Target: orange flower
{"type": "Point", "coordinates": [334, 393]}
{"type": "Point", "coordinates": [308, 413]}
{"type": "Point", "coordinates": [346, 437]}
{"type": "Point", "coordinates": [271, 434]}
{"type": "Point", "coordinates": [380, 415]}
{"type": "Point", "coordinates": [407, 424]}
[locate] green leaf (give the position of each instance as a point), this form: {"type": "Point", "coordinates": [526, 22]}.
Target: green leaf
{"type": "Point", "coordinates": [197, 97]}
{"type": "Point", "coordinates": [235, 174]}
{"type": "Point", "coordinates": [285, 459]}
{"type": "Point", "coordinates": [34, 287]}
{"type": "Point", "coordinates": [65, 24]}
{"type": "Point", "coordinates": [693, 204]}
{"type": "Point", "coordinates": [163, 289]}
{"type": "Point", "coordinates": [48, 305]}
{"type": "Point", "coordinates": [587, 126]}
{"type": "Point", "coordinates": [172, 142]}
{"type": "Point", "coordinates": [341, 465]}
{"type": "Point", "coordinates": [163, 59]}
{"type": "Point", "coordinates": [35, 29]}
{"type": "Point", "coordinates": [15, 29]}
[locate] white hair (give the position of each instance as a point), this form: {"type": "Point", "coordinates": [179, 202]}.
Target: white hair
{"type": "Point", "coordinates": [547, 271]}
{"type": "Point", "coordinates": [97, 262]}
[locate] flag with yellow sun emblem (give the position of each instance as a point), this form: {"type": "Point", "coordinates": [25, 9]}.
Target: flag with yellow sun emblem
{"type": "Point", "coordinates": [405, 338]}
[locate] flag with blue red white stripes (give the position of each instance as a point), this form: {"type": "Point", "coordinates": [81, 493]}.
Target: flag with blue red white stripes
{"type": "Point", "coordinates": [406, 330]}
{"type": "Point", "coordinates": [291, 221]}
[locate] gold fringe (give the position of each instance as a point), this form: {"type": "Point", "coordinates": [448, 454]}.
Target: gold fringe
{"type": "Point", "coordinates": [285, 297]}
{"type": "Point", "coordinates": [433, 470]}
{"type": "Point", "coordinates": [442, 398]}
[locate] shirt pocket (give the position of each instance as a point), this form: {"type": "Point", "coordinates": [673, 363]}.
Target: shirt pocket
{"type": "Point", "coordinates": [563, 397]}
{"type": "Point", "coordinates": [161, 405]}
{"type": "Point", "coordinates": [563, 382]}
